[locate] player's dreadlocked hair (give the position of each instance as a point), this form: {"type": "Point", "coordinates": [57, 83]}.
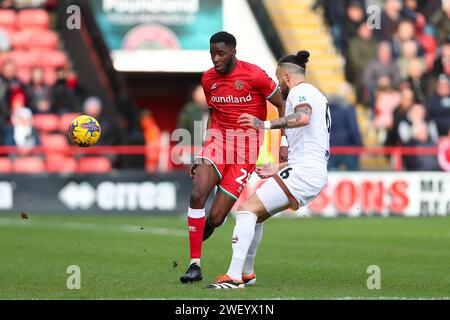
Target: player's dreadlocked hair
{"type": "Point", "coordinates": [224, 37]}
{"type": "Point", "coordinates": [300, 59]}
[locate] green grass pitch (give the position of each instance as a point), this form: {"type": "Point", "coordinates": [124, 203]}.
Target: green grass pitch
{"type": "Point", "coordinates": [143, 257]}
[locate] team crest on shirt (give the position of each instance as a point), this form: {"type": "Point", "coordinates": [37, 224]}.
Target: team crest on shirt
{"type": "Point", "coordinates": [239, 84]}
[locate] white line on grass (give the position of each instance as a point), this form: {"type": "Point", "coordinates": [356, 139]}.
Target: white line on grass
{"type": "Point", "coordinates": [72, 225]}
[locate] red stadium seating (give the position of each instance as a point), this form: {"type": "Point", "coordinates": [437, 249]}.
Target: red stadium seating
{"type": "Point", "coordinates": [57, 163]}
{"type": "Point", "coordinates": [29, 165]}
{"type": "Point", "coordinates": [94, 165]}
{"type": "Point", "coordinates": [23, 58]}
{"type": "Point", "coordinates": [33, 18]}
{"type": "Point", "coordinates": [65, 120]}
{"type": "Point", "coordinates": [46, 122]}
{"type": "Point", "coordinates": [24, 74]}
{"type": "Point", "coordinates": [19, 40]}
{"type": "Point", "coordinates": [5, 165]}
{"type": "Point", "coordinates": [8, 18]}
{"type": "Point", "coordinates": [54, 143]}
{"type": "Point", "coordinates": [50, 76]}
{"type": "Point", "coordinates": [35, 38]}
{"type": "Point", "coordinates": [52, 58]}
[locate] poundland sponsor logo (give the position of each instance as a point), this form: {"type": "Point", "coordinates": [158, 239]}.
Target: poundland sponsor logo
{"type": "Point", "coordinates": [231, 99]}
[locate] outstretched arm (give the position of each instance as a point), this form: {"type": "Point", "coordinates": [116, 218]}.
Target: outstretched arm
{"type": "Point", "coordinates": [300, 118]}
{"type": "Point", "coordinates": [278, 101]}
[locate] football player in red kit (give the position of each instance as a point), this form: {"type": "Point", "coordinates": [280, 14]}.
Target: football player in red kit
{"type": "Point", "coordinates": [228, 157]}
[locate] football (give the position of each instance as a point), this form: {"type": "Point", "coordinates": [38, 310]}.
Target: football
{"type": "Point", "coordinates": [84, 131]}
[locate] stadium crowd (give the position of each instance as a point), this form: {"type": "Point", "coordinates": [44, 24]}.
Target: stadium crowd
{"type": "Point", "coordinates": [40, 93]}
{"type": "Point", "coordinates": [400, 73]}
{"type": "Point", "coordinates": [400, 69]}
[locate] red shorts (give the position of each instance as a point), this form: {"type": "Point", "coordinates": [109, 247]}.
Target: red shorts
{"type": "Point", "coordinates": [232, 176]}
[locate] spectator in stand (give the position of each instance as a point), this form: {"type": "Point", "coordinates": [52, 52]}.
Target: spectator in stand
{"type": "Point", "coordinates": [386, 99]}
{"type": "Point", "coordinates": [429, 7]}
{"type": "Point", "coordinates": [409, 9]}
{"type": "Point", "coordinates": [6, 4]}
{"type": "Point", "coordinates": [152, 135]}
{"type": "Point", "coordinates": [418, 131]}
{"type": "Point", "coordinates": [12, 90]}
{"type": "Point", "coordinates": [345, 130]}
{"type": "Point", "coordinates": [21, 4]}
{"type": "Point", "coordinates": [418, 80]}
{"type": "Point", "coordinates": [380, 67]}
{"type": "Point", "coordinates": [334, 12]}
{"type": "Point", "coordinates": [111, 133]}
{"type": "Point", "coordinates": [405, 32]}
{"type": "Point", "coordinates": [355, 15]}
{"type": "Point", "coordinates": [37, 90]}
{"type": "Point", "coordinates": [22, 133]}
{"type": "Point", "coordinates": [43, 106]}
{"type": "Point", "coordinates": [361, 50]}
{"type": "Point", "coordinates": [441, 21]}
{"type": "Point", "coordinates": [195, 111]}
{"type": "Point", "coordinates": [442, 62]}
{"type": "Point", "coordinates": [390, 18]}
{"type": "Point", "coordinates": [66, 94]}
{"type": "Point", "coordinates": [439, 105]}
{"type": "Point", "coordinates": [406, 102]}
{"type": "Point", "coordinates": [93, 106]}
{"type": "Point", "coordinates": [409, 53]}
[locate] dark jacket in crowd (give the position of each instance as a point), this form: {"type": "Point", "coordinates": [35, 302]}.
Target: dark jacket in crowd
{"type": "Point", "coordinates": [439, 111]}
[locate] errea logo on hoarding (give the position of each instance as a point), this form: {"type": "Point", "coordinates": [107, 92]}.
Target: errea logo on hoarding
{"type": "Point", "coordinates": [6, 195]}
{"type": "Point", "coordinates": [120, 196]}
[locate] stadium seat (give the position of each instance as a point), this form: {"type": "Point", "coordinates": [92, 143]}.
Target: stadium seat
{"type": "Point", "coordinates": [29, 165]}
{"type": "Point", "coordinates": [8, 18]}
{"type": "Point", "coordinates": [54, 143]}
{"type": "Point", "coordinates": [35, 39]}
{"type": "Point", "coordinates": [50, 76]}
{"type": "Point", "coordinates": [33, 18]}
{"type": "Point", "coordinates": [52, 58]}
{"type": "Point", "coordinates": [19, 40]}
{"type": "Point", "coordinates": [46, 122]}
{"type": "Point", "coordinates": [94, 165]}
{"type": "Point", "coordinates": [24, 74]}
{"type": "Point", "coordinates": [65, 120]}
{"type": "Point", "coordinates": [57, 163]}
{"type": "Point", "coordinates": [23, 58]}
{"type": "Point", "coordinates": [5, 165]}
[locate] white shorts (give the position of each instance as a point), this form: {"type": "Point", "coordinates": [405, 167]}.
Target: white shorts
{"type": "Point", "coordinates": [301, 186]}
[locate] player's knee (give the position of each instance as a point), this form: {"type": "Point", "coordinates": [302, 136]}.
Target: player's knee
{"type": "Point", "coordinates": [245, 206]}
{"type": "Point", "coordinates": [215, 220]}
{"type": "Point", "coordinates": [198, 198]}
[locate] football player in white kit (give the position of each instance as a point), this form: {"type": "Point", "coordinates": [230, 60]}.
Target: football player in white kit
{"type": "Point", "coordinates": [291, 184]}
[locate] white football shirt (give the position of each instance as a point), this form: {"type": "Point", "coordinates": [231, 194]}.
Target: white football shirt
{"type": "Point", "coordinates": [310, 144]}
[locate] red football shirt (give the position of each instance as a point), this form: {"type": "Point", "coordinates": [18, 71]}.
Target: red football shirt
{"type": "Point", "coordinates": [244, 90]}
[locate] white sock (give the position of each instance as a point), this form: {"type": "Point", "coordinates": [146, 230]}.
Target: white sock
{"type": "Point", "coordinates": [251, 254]}
{"type": "Point", "coordinates": [243, 233]}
